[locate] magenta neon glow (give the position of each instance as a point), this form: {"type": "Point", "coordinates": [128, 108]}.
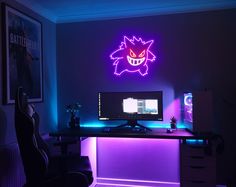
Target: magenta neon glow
{"type": "Point", "coordinates": [131, 182]}
{"type": "Point", "coordinates": [133, 55]}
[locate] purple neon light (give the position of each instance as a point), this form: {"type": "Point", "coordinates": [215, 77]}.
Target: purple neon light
{"type": "Point", "coordinates": [131, 180]}
{"type": "Point", "coordinates": [126, 160]}
{"type": "Point", "coordinates": [133, 56]}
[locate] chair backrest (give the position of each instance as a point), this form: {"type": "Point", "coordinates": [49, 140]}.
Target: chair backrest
{"type": "Point", "coordinates": [35, 160]}
{"type": "Point", "coordinates": [42, 145]}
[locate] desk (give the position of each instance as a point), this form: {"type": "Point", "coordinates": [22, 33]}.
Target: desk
{"type": "Point", "coordinates": [99, 132]}
{"type": "Point", "coordinates": [161, 154]}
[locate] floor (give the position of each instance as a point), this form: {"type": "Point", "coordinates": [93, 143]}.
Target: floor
{"type": "Point", "coordinates": [125, 185]}
{"type": "Point", "coordinates": [104, 185]}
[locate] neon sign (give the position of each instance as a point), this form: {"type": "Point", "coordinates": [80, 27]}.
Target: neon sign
{"type": "Point", "coordinates": [133, 56]}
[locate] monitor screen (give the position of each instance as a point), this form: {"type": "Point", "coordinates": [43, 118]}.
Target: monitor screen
{"type": "Point", "coordinates": [130, 106]}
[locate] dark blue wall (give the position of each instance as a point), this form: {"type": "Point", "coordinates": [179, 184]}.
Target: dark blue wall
{"type": "Point", "coordinates": [47, 109]}
{"type": "Point", "coordinates": [195, 51]}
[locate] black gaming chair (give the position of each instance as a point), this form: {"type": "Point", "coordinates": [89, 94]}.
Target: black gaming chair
{"type": "Point", "coordinates": [41, 170]}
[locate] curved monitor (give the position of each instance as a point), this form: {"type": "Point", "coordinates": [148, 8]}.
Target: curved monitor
{"type": "Point", "coordinates": [131, 106]}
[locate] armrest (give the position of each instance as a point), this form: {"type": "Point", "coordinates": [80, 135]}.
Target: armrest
{"type": "Point", "coordinates": [63, 144]}
{"type": "Point", "coordinates": [72, 163]}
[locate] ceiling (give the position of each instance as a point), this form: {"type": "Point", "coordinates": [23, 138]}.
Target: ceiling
{"type": "Point", "coordinates": [60, 11]}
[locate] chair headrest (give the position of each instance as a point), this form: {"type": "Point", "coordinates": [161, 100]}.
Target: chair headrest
{"type": "Point", "coordinates": [22, 102]}
{"type": "Point", "coordinates": [21, 99]}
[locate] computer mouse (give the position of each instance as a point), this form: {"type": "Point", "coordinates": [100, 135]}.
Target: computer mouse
{"type": "Point", "coordinates": [107, 129]}
{"type": "Point", "coordinates": [169, 131]}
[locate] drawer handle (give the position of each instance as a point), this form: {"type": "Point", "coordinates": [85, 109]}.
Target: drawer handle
{"type": "Point", "coordinates": [197, 157]}
{"type": "Point", "coordinates": [197, 167]}
{"type": "Point", "coordinates": [196, 147]}
{"type": "Point", "coordinates": [198, 182]}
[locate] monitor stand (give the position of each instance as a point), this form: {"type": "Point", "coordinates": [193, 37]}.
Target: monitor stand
{"type": "Point", "coordinates": [132, 124]}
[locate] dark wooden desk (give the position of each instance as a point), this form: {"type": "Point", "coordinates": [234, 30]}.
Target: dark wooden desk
{"type": "Point", "coordinates": [103, 132]}
{"type": "Point", "coordinates": [180, 134]}
{"type": "Point", "coordinates": [84, 132]}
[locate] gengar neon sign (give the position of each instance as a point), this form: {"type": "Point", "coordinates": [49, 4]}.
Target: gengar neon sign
{"type": "Point", "coordinates": [133, 55]}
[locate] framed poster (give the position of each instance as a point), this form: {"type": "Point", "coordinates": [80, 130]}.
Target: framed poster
{"type": "Point", "coordinates": [22, 50]}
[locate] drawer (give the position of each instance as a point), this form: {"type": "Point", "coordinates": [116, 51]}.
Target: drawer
{"type": "Point", "coordinates": [194, 160]}
{"type": "Point", "coordinates": [192, 183]}
{"type": "Point", "coordinates": [198, 173]}
{"type": "Point", "coordinates": [189, 150]}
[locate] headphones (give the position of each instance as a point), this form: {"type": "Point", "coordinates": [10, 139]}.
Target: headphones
{"type": "Point", "coordinates": [217, 140]}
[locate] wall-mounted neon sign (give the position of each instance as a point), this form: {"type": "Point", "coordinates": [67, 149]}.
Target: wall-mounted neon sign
{"type": "Point", "coordinates": [132, 56]}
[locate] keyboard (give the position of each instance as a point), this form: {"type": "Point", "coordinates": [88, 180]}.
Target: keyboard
{"type": "Point", "coordinates": [125, 130]}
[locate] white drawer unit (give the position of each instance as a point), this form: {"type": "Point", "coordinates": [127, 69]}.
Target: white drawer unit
{"type": "Point", "coordinates": [198, 164]}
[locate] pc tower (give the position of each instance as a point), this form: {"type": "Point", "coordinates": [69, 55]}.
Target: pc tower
{"type": "Point", "coordinates": [198, 112]}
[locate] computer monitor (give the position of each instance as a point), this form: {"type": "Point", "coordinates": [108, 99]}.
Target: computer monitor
{"type": "Point", "coordinates": [130, 106]}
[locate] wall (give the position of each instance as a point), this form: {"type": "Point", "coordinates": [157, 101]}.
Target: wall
{"type": "Point", "coordinates": [195, 51]}
{"type": "Point", "coordinates": [47, 109]}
